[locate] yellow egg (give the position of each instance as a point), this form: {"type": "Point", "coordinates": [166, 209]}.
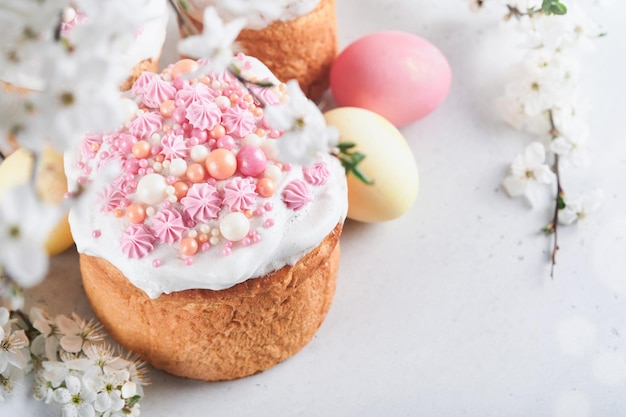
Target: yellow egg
{"type": "Point", "coordinates": [51, 184]}
{"type": "Point", "coordinates": [389, 162]}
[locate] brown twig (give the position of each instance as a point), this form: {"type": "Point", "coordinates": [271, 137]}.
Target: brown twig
{"type": "Point", "coordinates": [553, 227]}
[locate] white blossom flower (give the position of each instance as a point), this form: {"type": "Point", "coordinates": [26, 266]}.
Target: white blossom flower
{"type": "Point", "coordinates": [11, 293]}
{"type": "Point", "coordinates": [105, 385]}
{"type": "Point", "coordinates": [75, 398]}
{"type": "Point", "coordinates": [77, 333]}
{"type": "Point", "coordinates": [529, 174]}
{"type": "Point", "coordinates": [306, 134]}
{"type": "Point", "coordinates": [11, 377]}
{"type": "Point", "coordinates": [79, 96]}
{"type": "Point", "coordinates": [512, 111]}
{"type": "Point", "coordinates": [24, 224]}
{"type": "Point", "coordinates": [46, 344]}
{"type": "Point", "coordinates": [99, 358]}
{"type": "Point", "coordinates": [215, 43]}
{"type": "Point", "coordinates": [573, 31]}
{"type": "Point", "coordinates": [43, 389]}
{"type": "Point", "coordinates": [540, 88]}
{"type": "Point", "coordinates": [54, 373]}
{"type": "Point", "coordinates": [578, 209]}
{"type": "Point", "coordinates": [11, 344]}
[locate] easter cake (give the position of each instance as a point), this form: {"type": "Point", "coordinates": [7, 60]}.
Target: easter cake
{"type": "Point", "coordinates": [206, 254]}
{"type": "Point", "coordinates": [299, 43]}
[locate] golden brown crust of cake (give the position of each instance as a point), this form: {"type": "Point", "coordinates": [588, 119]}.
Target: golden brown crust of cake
{"type": "Point", "coordinates": [218, 335]}
{"type": "Point", "coordinates": [302, 49]}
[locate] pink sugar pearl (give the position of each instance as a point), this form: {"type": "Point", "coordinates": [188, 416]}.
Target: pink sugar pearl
{"type": "Point", "coordinates": [251, 161]}
{"type": "Point", "coordinates": [226, 142]}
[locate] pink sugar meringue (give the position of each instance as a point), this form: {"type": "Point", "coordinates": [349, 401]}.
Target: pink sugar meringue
{"type": "Point", "coordinates": [137, 241]}
{"type": "Point", "coordinates": [240, 194]}
{"type": "Point", "coordinates": [296, 195]}
{"type": "Point", "coordinates": [168, 226]}
{"type": "Point", "coordinates": [202, 202]}
{"type": "Point", "coordinates": [317, 174]}
{"type": "Point", "coordinates": [146, 124]}
{"type": "Point", "coordinates": [203, 114]}
{"type": "Point", "coordinates": [238, 122]}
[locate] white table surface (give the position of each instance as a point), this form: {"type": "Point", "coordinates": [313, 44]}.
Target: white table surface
{"type": "Point", "coordinates": [449, 310]}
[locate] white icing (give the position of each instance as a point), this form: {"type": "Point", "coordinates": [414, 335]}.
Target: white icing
{"type": "Point", "coordinates": [293, 234]}
{"type": "Point", "coordinates": [292, 9]}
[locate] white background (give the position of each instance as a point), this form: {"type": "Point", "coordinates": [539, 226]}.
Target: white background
{"type": "Point", "coordinates": [449, 310]}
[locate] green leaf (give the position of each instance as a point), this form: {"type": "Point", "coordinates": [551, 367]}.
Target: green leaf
{"type": "Point", "coordinates": [548, 229]}
{"type": "Point", "coordinates": [132, 401]}
{"type": "Point", "coordinates": [560, 202]}
{"type": "Point", "coordinates": [553, 7]}
{"type": "Point", "coordinates": [351, 160]}
{"type": "Point", "coordinates": [344, 146]}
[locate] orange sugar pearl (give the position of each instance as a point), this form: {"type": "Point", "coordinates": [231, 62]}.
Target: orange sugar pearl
{"type": "Point", "coordinates": [257, 112]}
{"type": "Point", "coordinates": [221, 163]}
{"type": "Point", "coordinates": [188, 246]}
{"type": "Point", "coordinates": [249, 213]}
{"type": "Point", "coordinates": [159, 158]}
{"type": "Point", "coordinates": [203, 238]}
{"type": "Point", "coordinates": [195, 173]}
{"type": "Point", "coordinates": [260, 132]}
{"type": "Point", "coordinates": [136, 213]}
{"type": "Point", "coordinates": [167, 108]}
{"type": "Point", "coordinates": [118, 213]}
{"type": "Point", "coordinates": [141, 149]}
{"type": "Point", "coordinates": [265, 187]}
{"type": "Point", "coordinates": [166, 128]}
{"type": "Point", "coordinates": [233, 98]}
{"type": "Point", "coordinates": [184, 66]}
{"type": "Point", "coordinates": [218, 131]}
{"type": "Point", "coordinates": [180, 189]}
{"type": "Point", "coordinates": [248, 98]}
{"type": "Point", "coordinates": [95, 147]}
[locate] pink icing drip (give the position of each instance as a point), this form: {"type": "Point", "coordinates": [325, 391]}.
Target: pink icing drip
{"type": "Point", "coordinates": [238, 122]}
{"type": "Point", "coordinates": [156, 91]}
{"type": "Point", "coordinates": [202, 202]}
{"type": "Point", "coordinates": [137, 241]}
{"type": "Point", "coordinates": [203, 114]}
{"type": "Point", "coordinates": [317, 174]}
{"type": "Point", "coordinates": [197, 92]}
{"type": "Point", "coordinates": [146, 124]}
{"type": "Point", "coordinates": [168, 226]}
{"type": "Point", "coordinates": [174, 146]}
{"type": "Point", "coordinates": [240, 194]}
{"type": "Point", "coordinates": [296, 195]}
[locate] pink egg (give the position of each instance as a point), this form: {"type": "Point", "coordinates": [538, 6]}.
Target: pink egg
{"type": "Point", "coordinates": [398, 75]}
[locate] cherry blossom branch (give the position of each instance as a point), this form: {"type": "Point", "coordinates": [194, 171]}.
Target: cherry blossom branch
{"type": "Point", "coordinates": [559, 204]}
